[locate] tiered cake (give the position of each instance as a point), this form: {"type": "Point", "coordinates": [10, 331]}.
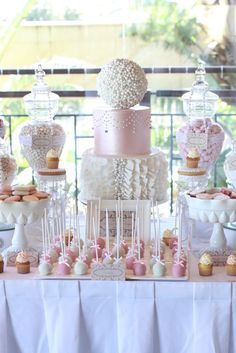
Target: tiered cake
{"type": "Point", "coordinates": [122, 164]}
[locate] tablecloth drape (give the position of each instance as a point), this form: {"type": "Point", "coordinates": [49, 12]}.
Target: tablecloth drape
{"type": "Point", "coordinates": [58, 316]}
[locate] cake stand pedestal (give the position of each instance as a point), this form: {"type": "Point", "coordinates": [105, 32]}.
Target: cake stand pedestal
{"type": "Point", "coordinates": [20, 214]}
{"type": "Point", "coordinates": [217, 212]}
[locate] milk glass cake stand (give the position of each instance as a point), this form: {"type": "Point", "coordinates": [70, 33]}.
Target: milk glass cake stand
{"type": "Point", "coordinates": [20, 214]}
{"type": "Point", "coordinates": [217, 212]}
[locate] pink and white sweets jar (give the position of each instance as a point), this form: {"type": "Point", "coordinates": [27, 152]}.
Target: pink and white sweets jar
{"type": "Point", "coordinates": [200, 130]}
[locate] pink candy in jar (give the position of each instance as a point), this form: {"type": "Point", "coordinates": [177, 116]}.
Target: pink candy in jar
{"type": "Point", "coordinates": [215, 139]}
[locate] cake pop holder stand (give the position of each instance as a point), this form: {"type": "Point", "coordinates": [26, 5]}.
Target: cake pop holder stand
{"type": "Point", "coordinates": [217, 212]}
{"type": "Point", "coordinates": [21, 214]}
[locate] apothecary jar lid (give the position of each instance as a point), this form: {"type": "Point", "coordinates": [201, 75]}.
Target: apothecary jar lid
{"type": "Point", "coordinates": [41, 103]}
{"type": "Point", "coordinates": [199, 102]}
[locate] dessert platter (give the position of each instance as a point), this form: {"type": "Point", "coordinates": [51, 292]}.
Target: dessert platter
{"type": "Point", "coordinates": [123, 182]}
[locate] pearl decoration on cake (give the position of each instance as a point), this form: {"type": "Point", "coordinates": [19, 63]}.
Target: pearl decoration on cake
{"type": "Point", "coordinates": [122, 83]}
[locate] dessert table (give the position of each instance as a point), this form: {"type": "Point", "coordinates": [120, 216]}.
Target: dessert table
{"type": "Point", "coordinates": [43, 315]}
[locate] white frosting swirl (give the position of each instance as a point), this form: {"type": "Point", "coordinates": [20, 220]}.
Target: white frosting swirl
{"type": "Point", "coordinates": [193, 153]}
{"type": "Point", "coordinates": [52, 154]}
{"type": "Point", "coordinates": [206, 259]}
{"type": "Point", "coordinates": [22, 257]}
{"type": "Point", "coordinates": [231, 259]}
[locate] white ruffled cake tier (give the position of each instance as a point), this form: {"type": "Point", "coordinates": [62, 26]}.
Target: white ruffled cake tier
{"type": "Point", "coordinates": [126, 177]}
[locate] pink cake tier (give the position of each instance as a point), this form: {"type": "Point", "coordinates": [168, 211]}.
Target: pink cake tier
{"type": "Point", "coordinates": [120, 132]}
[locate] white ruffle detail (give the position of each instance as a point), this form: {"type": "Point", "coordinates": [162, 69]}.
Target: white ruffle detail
{"type": "Point", "coordinates": [107, 177]}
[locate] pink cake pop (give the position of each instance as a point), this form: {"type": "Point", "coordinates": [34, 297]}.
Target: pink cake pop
{"type": "Point", "coordinates": [63, 268]}
{"type": "Point", "coordinates": [130, 259]}
{"type": "Point", "coordinates": [178, 269]}
{"type": "Point", "coordinates": [139, 268]}
{"type": "Point", "coordinates": [101, 242]}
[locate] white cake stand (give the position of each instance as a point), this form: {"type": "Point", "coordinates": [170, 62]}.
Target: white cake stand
{"type": "Point", "coordinates": [20, 214]}
{"type": "Point", "coordinates": [217, 212]}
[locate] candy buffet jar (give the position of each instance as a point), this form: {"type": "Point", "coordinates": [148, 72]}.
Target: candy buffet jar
{"type": "Point", "coordinates": [41, 134]}
{"type": "Point", "coordinates": [200, 130]}
{"type": "Point", "coordinates": [8, 166]}
{"type": "Point", "coordinates": [230, 166]}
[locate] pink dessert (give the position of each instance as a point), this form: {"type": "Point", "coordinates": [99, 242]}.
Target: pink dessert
{"type": "Point", "coordinates": [71, 254]}
{"type": "Point", "coordinates": [178, 269]}
{"type": "Point", "coordinates": [124, 245]}
{"type": "Point", "coordinates": [215, 139]}
{"type": "Point", "coordinates": [139, 268]}
{"type": "Point", "coordinates": [101, 242]}
{"type": "Point", "coordinates": [130, 259]}
{"type": "Point", "coordinates": [122, 131]}
{"type": "Point", "coordinates": [173, 240]}
{"type": "Point", "coordinates": [93, 251]}
{"type": "Point", "coordinates": [63, 268]}
{"type": "Point", "coordinates": [136, 250]}
{"type": "Point", "coordinates": [86, 260]}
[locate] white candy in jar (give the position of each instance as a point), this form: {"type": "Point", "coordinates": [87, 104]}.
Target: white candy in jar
{"type": "Point", "coordinates": [37, 139]}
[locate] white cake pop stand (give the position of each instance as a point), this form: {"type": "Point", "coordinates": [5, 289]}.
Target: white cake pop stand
{"type": "Point", "coordinates": [217, 212]}
{"type": "Point", "coordinates": [20, 214]}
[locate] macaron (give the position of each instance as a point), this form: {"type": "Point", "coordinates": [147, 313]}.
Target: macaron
{"type": "Point", "coordinates": [30, 198]}
{"type": "Point", "coordinates": [13, 198]}
{"type": "Point", "coordinates": [40, 195]}
{"type": "Point", "coordinates": [28, 188]}
{"type": "Point", "coordinates": [20, 192]}
{"type": "Point", "coordinates": [3, 197]}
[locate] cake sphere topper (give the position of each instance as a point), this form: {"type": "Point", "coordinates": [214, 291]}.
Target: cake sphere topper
{"type": "Point", "coordinates": [121, 83]}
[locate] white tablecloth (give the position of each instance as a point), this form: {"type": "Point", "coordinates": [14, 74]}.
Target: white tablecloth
{"type": "Point", "coordinates": [71, 316]}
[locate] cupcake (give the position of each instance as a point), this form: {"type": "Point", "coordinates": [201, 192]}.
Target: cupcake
{"type": "Point", "coordinates": [1, 264]}
{"type": "Point", "coordinates": [167, 236]}
{"type": "Point", "coordinates": [193, 158]}
{"type": "Point", "coordinates": [205, 265]}
{"type": "Point", "coordinates": [231, 265]}
{"type": "Point", "coordinates": [22, 263]}
{"type": "Point", "coordinates": [52, 159]}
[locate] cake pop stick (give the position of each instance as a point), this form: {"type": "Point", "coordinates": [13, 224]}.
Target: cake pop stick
{"type": "Point", "coordinates": [155, 228]}
{"type": "Point", "coordinates": [98, 217]}
{"type": "Point", "coordinates": [43, 236]}
{"type": "Point", "coordinates": [138, 238]}
{"type": "Point", "coordinates": [180, 232]}
{"type": "Point", "coordinates": [117, 237]}
{"type": "Point", "coordinates": [158, 232]}
{"type": "Point", "coordinates": [122, 220]}
{"type": "Point", "coordinates": [132, 233]}
{"type": "Point", "coordinates": [95, 239]}
{"type": "Point", "coordinates": [78, 231]}
{"type": "Point", "coordinates": [107, 232]}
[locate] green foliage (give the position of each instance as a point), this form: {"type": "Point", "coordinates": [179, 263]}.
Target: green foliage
{"type": "Point", "coordinates": [170, 24]}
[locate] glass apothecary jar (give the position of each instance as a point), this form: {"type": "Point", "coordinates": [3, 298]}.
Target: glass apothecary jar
{"type": "Point", "coordinates": [230, 165]}
{"type": "Point", "coordinates": [41, 134]}
{"type": "Point", "coordinates": [200, 130]}
{"type": "Point", "coordinates": [8, 165]}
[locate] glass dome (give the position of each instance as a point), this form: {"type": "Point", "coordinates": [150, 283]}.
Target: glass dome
{"type": "Point", "coordinates": [41, 103]}
{"type": "Point", "coordinates": [200, 103]}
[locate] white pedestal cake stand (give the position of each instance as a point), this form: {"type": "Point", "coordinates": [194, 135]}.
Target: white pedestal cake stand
{"type": "Point", "coordinates": [20, 214]}
{"type": "Point", "coordinates": [217, 212]}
